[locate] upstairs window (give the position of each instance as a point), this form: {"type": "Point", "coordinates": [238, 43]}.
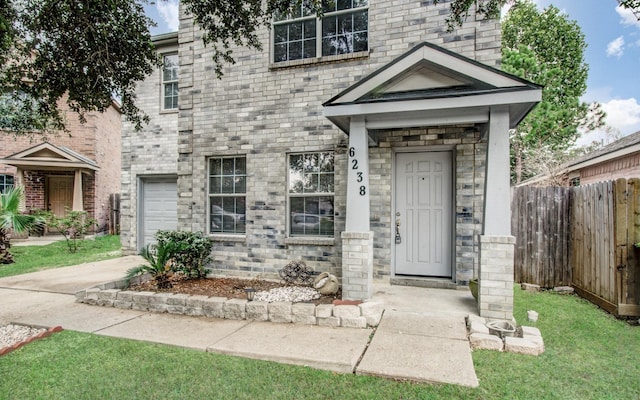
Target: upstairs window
{"type": "Point", "coordinates": [6, 182]}
{"type": "Point", "coordinates": [343, 29]}
{"type": "Point", "coordinates": [311, 194]}
{"type": "Point", "coordinates": [170, 82]}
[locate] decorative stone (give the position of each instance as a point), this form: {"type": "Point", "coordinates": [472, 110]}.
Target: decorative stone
{"type": "Point", "coordinates": [532, 316]}
{"type": "Point", "coordinates": [213, 307]}
{"type": "Point", "coordinates": [125, 305]}
{"type": "Point", "coordinates": [142, 298]}
{"type": "Point", "coordinates": [235, 309]}
{"type": "Point", "coordinates": [324, 310]}
{"type": "Point", "coordinates": [257, 310]}
{"type": "Point", "coordinates": [563, 289]}
{"type": "Point", "coordinates": [484, 341]}
{"type": "Point", "coordinates": [477, 327]}
{"type": "Point", "coordinates": [109, 294]}
{"type": "Point", "coordinates": [523, 346]}
{"type": "Point", "coordinates": [280, 311]}
{"type": "Point", "coordinates": [175, 309]}
{"type": "Point", "coordinates": [125, 295]}
{"type": "Point", "coordinates": [195, 301]}
{"type": "Point", "coordinates": [178, 299]}
{"type": "Point", "coordinates": [371, 308]}
{"type": "Point", "coordinates": [105, 302]}
{"type": "Point", "coordinates": [91, 296]}
{"type": "Point", "coordinates": [303, 319]}
{"type": "Point", "coordinates": [80, 295]}
{"type": "Point", "coordinates": [304, 309]}
{"type": "Point", "coordinates": [346, 311]}
{"type": "Point", "coordinates": [373, 320]}
{"type": "Point", "coordinates": [354, 322]}
{"type": "Point", "coordinates": [193, 311]}
{"type": "Point", "coordinates": [158, 308]}
{"type": "Point", "coordinates": [475, 318]}
{"type": "Point", "coordinates": [328, 321]}
{"type": "Point", "coordinates": [160, 298]}
{"type": "Point", "coordinates": [530, 287]}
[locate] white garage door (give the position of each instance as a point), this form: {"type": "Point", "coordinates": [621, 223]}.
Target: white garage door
{"type": "Point", "coordinates": [159, 207]}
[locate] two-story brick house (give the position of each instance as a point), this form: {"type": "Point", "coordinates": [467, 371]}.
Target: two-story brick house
{"type": "Point", "coordinates": [370, 143]}
{"type": "Point", "coordinates": [78, 170]}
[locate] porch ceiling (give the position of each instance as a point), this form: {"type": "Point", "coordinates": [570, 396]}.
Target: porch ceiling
{"type": "Point", "coordinates": [432, 86]}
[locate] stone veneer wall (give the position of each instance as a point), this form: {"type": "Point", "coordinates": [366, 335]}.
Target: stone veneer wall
{"type": "Point", "coordinates": [266, 112]}
{"type": "Point", "coordinates": [495, 286]}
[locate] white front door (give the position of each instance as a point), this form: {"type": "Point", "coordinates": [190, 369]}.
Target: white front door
{"type": "Point", "coordinates": [423, 214]}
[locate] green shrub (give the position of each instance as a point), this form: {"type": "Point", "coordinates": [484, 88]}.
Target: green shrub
{"type": "Point", "coordinates": [73, 226]}
{"type": "Point", "coordinates": [193, 251]}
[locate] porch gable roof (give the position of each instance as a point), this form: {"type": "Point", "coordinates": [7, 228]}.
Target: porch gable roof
{"type": "Point", "coordinates": [49, 156]}
{"type": "Point", "coordinates": [430, 85]}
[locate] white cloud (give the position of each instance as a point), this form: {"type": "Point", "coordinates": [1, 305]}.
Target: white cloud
{"type": "Point", "coordinates": [627, 17]}
{"type": "Point", "coordinates": [616, 47]}
{"type": "Point", "coordinates": [623, 118]}
{"type": "Point", "coordinates": [623, 114]}
{"type": "Point", "coordinates": [168, 11]}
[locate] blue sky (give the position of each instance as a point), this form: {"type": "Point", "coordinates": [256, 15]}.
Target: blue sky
{"type": "Point", "coordinates": [613, 55]}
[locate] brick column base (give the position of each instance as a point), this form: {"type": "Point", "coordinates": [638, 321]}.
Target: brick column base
{"type": "Point", "coordinates": [495, 283]}
{"type": "Point", "coordinates": [357, 265]}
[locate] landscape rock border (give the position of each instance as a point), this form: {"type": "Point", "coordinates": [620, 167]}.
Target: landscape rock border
{"type": "Point", "coordinates": [45, 333]}
{"type": "Point", "coordinates": [530, 343]}
{"type": "Point", "coordinates": [113, 294]}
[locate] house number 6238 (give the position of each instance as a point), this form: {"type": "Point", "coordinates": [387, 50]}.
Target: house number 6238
{"type": "Point", "coordinates": [354, 166]}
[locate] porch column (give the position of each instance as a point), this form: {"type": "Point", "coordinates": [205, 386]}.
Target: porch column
{"type": "Point", "coordinates": [357, 239]}
{"type": "Point", "coordinates": [77, 192]}
{"type": "Point", "coordinates": [495, 283]}
{"type": "Point", "coordinates": [19, 181]}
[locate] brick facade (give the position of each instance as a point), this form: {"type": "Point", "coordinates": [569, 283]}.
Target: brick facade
{"type": "Point", "coordinates": [98, 139]}
{"type": "Point", "coordinates": [265, 112]}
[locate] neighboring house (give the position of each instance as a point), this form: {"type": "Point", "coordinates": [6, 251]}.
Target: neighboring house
{"type": "Point", "coordinates": [370, 143]}
{"type": "Point", "coordinates": [620, 159]}
{"type": "Point", "coordinates": [78, 170]}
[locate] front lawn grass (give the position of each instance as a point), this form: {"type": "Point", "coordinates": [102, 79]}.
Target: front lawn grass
{"type": "Point", "coordinates": [589, 355]}
{"type": "Point", "coordinates": [54, 255]}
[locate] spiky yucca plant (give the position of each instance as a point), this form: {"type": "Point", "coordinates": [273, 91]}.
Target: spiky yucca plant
{"type": "Point", "coordinates": [160, 261]}
{"type": "Point", "coordinates": [12, 220]}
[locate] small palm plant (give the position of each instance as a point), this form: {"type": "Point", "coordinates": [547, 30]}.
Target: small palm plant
{"type": "Point", "coordinates": [160, 259]}
{"type": "Point", "coordinates": [12, 220]}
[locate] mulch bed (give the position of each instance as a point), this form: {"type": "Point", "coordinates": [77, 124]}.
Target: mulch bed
{"type": "Point", "coordinates": [231, 288]}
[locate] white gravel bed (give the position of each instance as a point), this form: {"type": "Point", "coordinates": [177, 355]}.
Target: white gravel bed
{"type": "Point", "coordinates": [12, 334]}
{"type": "Point", "coordinates": [293, 294]}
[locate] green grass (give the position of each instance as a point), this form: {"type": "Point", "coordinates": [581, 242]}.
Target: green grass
{"type": "Point", "coordinates": [589, 355]}
{"type": "Point", "coordinates": [54, 255]}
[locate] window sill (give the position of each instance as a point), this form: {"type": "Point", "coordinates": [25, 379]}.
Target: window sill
{"type": "Point", "coordinates": [319, 60]}
{"type": "Point", "coordinates": [311, 241]}
{"type": "Point", "coordinates": [169, 111]}
{"type": "Point", "coordinates": [227, 238]}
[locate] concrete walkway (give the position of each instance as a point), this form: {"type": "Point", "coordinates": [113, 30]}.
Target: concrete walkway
{"type": "Point", "coordinates": [421, 336]}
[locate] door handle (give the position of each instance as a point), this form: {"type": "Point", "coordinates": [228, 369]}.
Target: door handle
{"type": "Point", "coordinates": [398, 238]}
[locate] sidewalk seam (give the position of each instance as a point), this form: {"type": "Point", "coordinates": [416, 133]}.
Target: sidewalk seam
{"type": "Point", "coordinates": [366, 347]}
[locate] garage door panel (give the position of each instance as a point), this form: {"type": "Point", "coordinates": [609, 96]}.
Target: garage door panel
{"type": "Point", "coordinates": [159, 208]}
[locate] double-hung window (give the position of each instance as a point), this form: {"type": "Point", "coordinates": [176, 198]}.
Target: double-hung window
{"type": "Point", "coordinates": [311, 194]}
{"type": "Point", "coordinates": [227, 194]}
{"type": "Point", "coordinates": [170, 82]}
{"type": "Point", "coordinates": [343, 29]}
{"type": "Point", "coordinates": [6, 182]}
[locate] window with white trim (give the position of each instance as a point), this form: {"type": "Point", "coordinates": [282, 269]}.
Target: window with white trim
{"type": "Point", "coordinates": [6, 182]}
{"type": "Point", "coordinates": [227, 194]}
{"type": "Point", "coordinates": [343, 29]}
{"type": "Point", "coordinates": [311, 194]}
{"type": "Point", "coordinates": [170, 82]}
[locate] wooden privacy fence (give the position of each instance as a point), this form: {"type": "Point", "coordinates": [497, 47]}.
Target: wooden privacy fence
{"type": "Point", "coordinates": [584, 237]}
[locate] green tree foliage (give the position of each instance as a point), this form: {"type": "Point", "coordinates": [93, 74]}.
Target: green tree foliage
{"type": "Point", "coordinates": [93, 50]}
{"type": "Point", "coordinates": [459, 9]}
{"type": "Point", "coordinates": [547, 48]}
{"type": "Point", "coordinates": [82, 51]}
